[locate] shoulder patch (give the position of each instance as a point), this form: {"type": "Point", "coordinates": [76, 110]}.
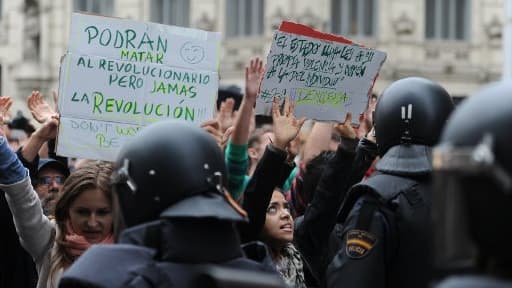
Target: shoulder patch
{"type": "Point", "coordinates": [359, 243]}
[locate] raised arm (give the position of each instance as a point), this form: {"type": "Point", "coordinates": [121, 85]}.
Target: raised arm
{"type": "Point", "coordinates": [47, 132]}
{"type": "Point", "coordinates": [236, 152]}
{"type": "Point", "coordinates": [352, 159]}
{"type": "Point", "coordinates": [34, 229]}
{"type": "Point", "coordinates": [253, 74]}
{"type": "Point", "coordinates": [267, 176]}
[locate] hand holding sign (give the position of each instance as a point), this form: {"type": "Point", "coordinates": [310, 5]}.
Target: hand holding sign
{"type": "Point", "coordinates": [286, 126]}
{"type": "Point", "coordinates": [345, 129]}
{"type": "Point", "coordinates": [120, 75]}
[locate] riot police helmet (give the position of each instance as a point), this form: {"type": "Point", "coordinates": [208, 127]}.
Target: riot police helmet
{"type": "Point", "coordinates": [472, 196]}
{"type": "Point", "coordinates": [411, 111]}
{"type": "Point", "coordinates": [172, 169]}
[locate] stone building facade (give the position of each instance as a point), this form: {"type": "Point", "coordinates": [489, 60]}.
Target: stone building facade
{"type": "Point", "coordinates": [454, 42]}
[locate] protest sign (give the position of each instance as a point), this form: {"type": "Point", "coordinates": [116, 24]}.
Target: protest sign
{"type": "Point", "coordinates": [122, 75]}
{"type": "Point", "coordinates": [326, 76]}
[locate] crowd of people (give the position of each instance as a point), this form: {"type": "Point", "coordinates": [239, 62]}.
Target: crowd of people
{"type": "Point", "coordinates": [417, 194]}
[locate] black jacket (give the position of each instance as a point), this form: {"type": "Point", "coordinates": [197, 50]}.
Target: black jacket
{"type": "Point", "coordinates": [168, 254]}
{"type": "Point", "coordinates": [386, 225]}
{"type": "Point", "coordinates": [316, 233]}
{"type": "Point", "coordinates": [271, 172]}
{"type": "Point", "coordinates": [17, 269]}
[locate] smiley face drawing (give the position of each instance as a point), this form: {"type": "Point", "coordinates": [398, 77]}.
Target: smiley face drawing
{"type": "Point", "coordinates": [192, 53]}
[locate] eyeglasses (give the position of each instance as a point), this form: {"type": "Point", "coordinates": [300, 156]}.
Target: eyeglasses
{"type": "Point", "coordinates": [47, 180]}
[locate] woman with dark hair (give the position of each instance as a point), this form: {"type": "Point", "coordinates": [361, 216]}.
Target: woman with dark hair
{"type": "Point", "coordinates": [268, 211]}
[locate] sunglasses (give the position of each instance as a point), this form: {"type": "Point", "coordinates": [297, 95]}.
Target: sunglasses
{"type": "Point", "coordinates": [47, 180]}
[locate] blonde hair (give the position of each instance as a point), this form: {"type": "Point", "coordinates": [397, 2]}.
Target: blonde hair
{"type": "Point", "coordinates": [92, 175]}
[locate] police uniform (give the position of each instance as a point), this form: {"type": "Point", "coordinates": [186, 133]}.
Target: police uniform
{"type": "Point", "coordinates": [167, 254]}
{"type": "Point", "coordinates": [472, 195]}
{"type": "Point", "coordinates": [180, 221]}
{"type": "Point", "coordinates": [384, 240]}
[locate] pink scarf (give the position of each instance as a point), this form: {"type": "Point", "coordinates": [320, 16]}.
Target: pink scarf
{"type": "Point", "coordinates": [75, 244]}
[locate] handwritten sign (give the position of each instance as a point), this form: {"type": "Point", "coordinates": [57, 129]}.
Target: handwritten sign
{"type": "Point", "coordinates": [326, 79]}
{"type": "Point", "coordinates": [119, 75]}
{"type": "Point", "coordinates": [96, 139]}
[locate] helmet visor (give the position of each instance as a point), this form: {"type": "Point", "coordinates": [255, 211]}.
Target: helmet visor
{"type": "Point", "coordinates": [463, 177]}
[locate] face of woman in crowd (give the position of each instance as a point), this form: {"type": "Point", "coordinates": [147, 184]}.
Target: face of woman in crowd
{"type": "Point", "coordinates": [278, 229]}
{"type": "Point", "coordinates": [91, 215]}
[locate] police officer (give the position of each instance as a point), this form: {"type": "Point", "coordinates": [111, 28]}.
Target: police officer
{"type": "Point", "coordinates": [169, 181]}
{"type": "Point", "coordinates": [472, 202]}
{"type": "Point", "coordinates": [384, 241]}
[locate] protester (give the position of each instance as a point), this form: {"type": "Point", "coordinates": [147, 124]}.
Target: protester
{"type": "Point", "coordinates": [321, 144]}
{"type": "Point", "coordinates": [237, 148]}
{"type": "Point", "coordinates": [229, 99]}
{"type": "Point", "coordinates": [47, 175]}
{"type": "Point", "coordinates": [317, 233]}
{"type": "Point", "coordinates": [385, 238]}
{"type": "Point", "coordinates": [19, 130]}
{"type": "Point", "coordinates": [268, 211]}
{"type": "Point", "coordinates": [472, 198]}
{"type": "Point", "coordinates": [179, 216]}
{"type": "Point", "coordinates": [84, 215]}
{"type": "Point", "coordinates": [17, 269]}
{"type": "Point", "coordinates": [49, 181]}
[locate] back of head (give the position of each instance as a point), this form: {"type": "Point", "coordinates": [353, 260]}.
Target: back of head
{"type": "Point", "coordinates": [411, 111]}
{"type": "Point", "coordinates": [22, 123]}
{"type": "Point", "coordinates": [472, 199]}
{"type": "Point", "coordinates": [304, 190]}
{"type": "Point", "coordinates": [174, 170]}
{"type": "Point", "coordinates": [231, 91]}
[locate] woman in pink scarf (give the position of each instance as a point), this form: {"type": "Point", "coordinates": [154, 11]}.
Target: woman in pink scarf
{"type": "Point", "coordinates": [84, 215]}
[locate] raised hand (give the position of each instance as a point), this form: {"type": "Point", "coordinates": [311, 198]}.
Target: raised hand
{"type": "Point", "coordinates": [5, 105]}
{"type": "Point", "coordinates": [253, 75]}
{"type": "Point", "coordinates": [40, 109]}
{"type": "Point", "coordinates": [365, 125]}
{"type": "Point", "coordinates": [49, 129]}
{"type": "Point", "coordinates": [226, 116]}
{"type": "Point", "coordinates": [286, 126]}
{"type": "Point", "coordinates": [212, 127]}
{"type": "Point", "coordinates": [345, 129]}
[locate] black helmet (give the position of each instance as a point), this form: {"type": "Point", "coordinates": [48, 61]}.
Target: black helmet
{"type": "Point", "coordinates": [411, 110]}
{"type": "Point", "coordinates": [472, 196]}
{"type": "Point", "coordinates": [172, 169]}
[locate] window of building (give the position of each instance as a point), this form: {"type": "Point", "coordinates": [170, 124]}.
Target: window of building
{"type": "Point", "coordinates": [103, 7]}
{"type": "Point", "coordinates": [447, 19]}
{"type": "Point", "coordinates": [170, 12]}
{"type": "Point", "coordinates": [354, 17]}
{"type": "Point", "coordinates": [244, 17]}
